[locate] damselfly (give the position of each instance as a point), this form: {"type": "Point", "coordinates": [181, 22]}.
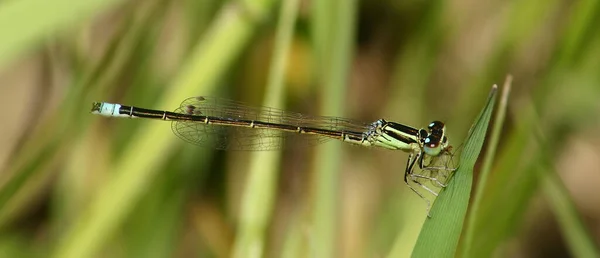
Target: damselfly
{"type": "Point", "coordinates": [231, 125]}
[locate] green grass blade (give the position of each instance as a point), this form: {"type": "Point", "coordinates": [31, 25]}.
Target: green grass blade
{"type": "Point", "coordinates": [440, 235]}
{"type": "Point", "coordinates": [487, 166]}
{"type": "Point", "coordinates": [261, 186]}
{"type": "Point", "coordinates": [334, 35]}
{"type": "Point", "coordinates": [578, 238]}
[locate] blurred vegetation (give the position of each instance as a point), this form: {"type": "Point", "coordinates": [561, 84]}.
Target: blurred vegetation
{"type": "Point", "coordinates": [77, 185]}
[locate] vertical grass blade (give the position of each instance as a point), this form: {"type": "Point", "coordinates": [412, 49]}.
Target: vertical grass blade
{"type": "Point", "coordinates": [440, 235]}
{"type": "Point", "coordinates": [259, 194]}
{"type": "Point", "coordinates": [334, 33]}
{"type": "Point", "coordinates": [578, 238]}
{"type": "Point", "coordinates": [487, 166]}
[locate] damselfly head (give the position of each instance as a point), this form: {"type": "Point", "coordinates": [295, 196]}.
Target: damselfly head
{"type": "Point", "coordinates": [436, 141]}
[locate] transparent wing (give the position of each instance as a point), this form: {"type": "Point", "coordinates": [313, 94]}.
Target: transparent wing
{"type": "Point", "coordinates": [225, 137]}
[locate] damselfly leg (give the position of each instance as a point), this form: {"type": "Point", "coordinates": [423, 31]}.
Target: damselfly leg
{"type": "Point", "coordinates": [435, 148]}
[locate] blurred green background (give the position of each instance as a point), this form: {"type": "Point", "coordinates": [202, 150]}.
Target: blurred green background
{"type": "Point", "coordinates": [78, 185]}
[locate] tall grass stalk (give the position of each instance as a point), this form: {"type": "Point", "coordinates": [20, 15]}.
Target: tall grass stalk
{"type": "Point", "coordinates": [261, 186]}
{"type": "Point", "coordinates": [333, 26]}
{"type": "Point", "coordinates": [487, 166]}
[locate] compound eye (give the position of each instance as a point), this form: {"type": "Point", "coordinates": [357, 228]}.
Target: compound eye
{"type": "Point", "coordinates": [432, 146]}
{"type": "Point", "coordinates": [429, 142]}
{"type": "Point", "coordinates": [436, 126]}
